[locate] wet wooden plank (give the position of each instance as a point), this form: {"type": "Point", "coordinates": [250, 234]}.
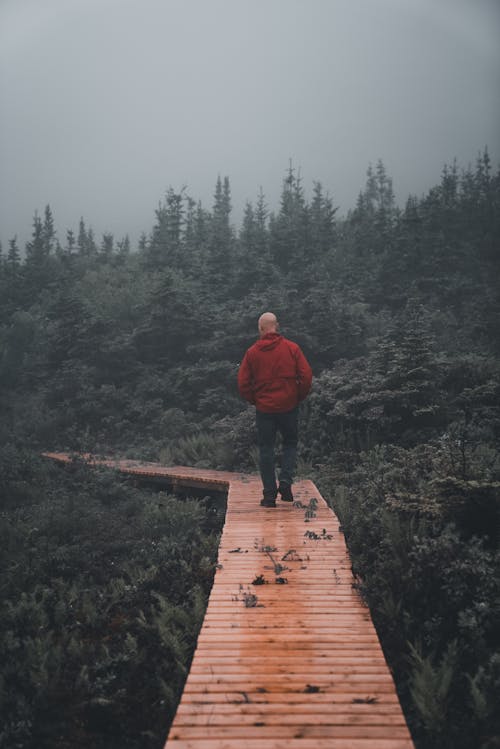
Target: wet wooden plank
{"type": "Point", "coordinates": [327, 699]}
{"type": "Point", "coordinates": [287, 743]}
{"type": "Point", "coordinates": [271, 709]}
{"type": "Point", "coordinates": [286, 660]}
{"type": "Point", "coordinates": [293, 732]}
{"type": "Point", "coordinates": [283, 717]}
{"type": "Point", "coordinates": [291, 668]}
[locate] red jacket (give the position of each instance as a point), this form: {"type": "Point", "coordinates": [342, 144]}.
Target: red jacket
{"type": "Point", "coordinates": [274, 374]}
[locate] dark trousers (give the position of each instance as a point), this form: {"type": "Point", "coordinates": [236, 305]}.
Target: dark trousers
{"type": "Point", "coordinates": [268, 425]}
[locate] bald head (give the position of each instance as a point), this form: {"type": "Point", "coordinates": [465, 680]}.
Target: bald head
{"type": "Point", "coordinates": [268, 323]}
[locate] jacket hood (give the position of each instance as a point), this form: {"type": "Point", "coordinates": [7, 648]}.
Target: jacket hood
{"type": "Point", "coordinates": [269, 341]}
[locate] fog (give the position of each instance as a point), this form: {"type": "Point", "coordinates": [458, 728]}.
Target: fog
{"type": "Point", "coordinates": [107, 103]}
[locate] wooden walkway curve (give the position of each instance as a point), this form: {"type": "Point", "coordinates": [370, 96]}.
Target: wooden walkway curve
{"type": "Point", "coordinates": [287, 657]}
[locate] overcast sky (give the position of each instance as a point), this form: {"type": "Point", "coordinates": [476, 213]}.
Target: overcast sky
{"type": "Point", "coordinates": [107, 103]}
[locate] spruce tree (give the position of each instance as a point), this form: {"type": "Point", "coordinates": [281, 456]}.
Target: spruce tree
{"type": "Point", "coordinates": [13, 261]}
{"type": "Point", "coordinates": [70, 242]}
{"type": "Point", "coordinates": [165, 247]}
{"type": "Point", "coordinates": [37, 267]}
{"type": "Point", "coordinates": [289, 229]}
{"type": "Point", "coordinates": [107, 246]}
{"type": "Point", "coordinates": [36, 248]}
{"type": "Point", "coordinates": [48, 232]}
{"type": "Point", "coordinates": [123, 246]}
{"type": "Point", "coordinates": [322, 220]}
{"type": "Point", "coordinates": [82, 240]}
{"type": "Point", "coordinates": [220, 257]}
{"type": "Point", "coordinates": [85, 242]}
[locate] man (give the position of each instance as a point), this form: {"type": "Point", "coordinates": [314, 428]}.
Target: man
{"type": "Point", "coordinates": [275, 376]}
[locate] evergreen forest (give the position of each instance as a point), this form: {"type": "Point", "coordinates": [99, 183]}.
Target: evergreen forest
{"type": "Point", "coordinates": [133, 351]}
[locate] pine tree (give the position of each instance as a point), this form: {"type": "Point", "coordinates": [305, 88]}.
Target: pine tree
{"type": "Point", "coordinates": [3, 282]}
{"type": "Point", "coordinates": [82, 240]}
{"type": "Point", "coordinates": [91, 245]}
{"type": "Point", "coordinates": [70, 242]}
{"type": "Point", "coordinates": [488, 208]}
{"type": "Point", "coordinates": [13, 260]}
{"type": "Point", "coordinates": [107, 246]}
{"type": "Point", "coordinates": [403, 261]}
{"type": "Point", "coordinates": [322, 217]}
{"type": "Point", "coordinates": [201, 229]}
{"type": "Point", "coordinates": [191, 249]}
{"type": "Point", "coordinates": [407, 361]}
{"type": "Point", "coordinates": [290, 228]}
{"type": "Point", "coordinates": [165, 248]}
{"type": "Point", "coordinates": [247, 272]}
{"type": "Point", "coordinates": [37, 268]}
{"type": "Point", "coordinates": [85, 242]}
{"type": "Point", "coordinates": [385, 208]}
{"type": "Point", "coordinates": [143, 243]}
{"type": "Point", "coordinates": [124, 247]}
{"type": "Point", "coordinates": [220, 257]}
{"type": "Point", "coordinates": [36, 248]}
{"type": "Point", "coordinates": [375, 214]}
{"type": "Point", "coordinates": [195, 240]}
{"type": "Point", "coordinates": [170, 322]}
{"type": "Point", "coordinates": [255, 270]}
{"type": "Point", "coordinates": [48, 231]}
{"type": "Point", "coordinates": [261, 217]}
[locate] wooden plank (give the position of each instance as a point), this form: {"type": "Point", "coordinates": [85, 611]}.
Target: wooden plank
{"type": "Point", "coordinates": [286, 660]}
{"type": "Point", "coordinates": [357, 685]}
{"type": "Point", "coordinates": [326, 699]}
{"type": "Point", "coordinates": [278, 743]}
{"type": "Point", "coordinates": [273, 708]}
{"type": "Point", "coordinates": [238, 718]}
{"type": "Point", "coordinates": [288, 668]}
{"type": "Point", "coordinates": [295, 732]}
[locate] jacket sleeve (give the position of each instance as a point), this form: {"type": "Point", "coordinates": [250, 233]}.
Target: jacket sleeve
{"type": "Point", "coordinates": [245, 381]}
{"type": "Point", "coordinates": [304, 374]}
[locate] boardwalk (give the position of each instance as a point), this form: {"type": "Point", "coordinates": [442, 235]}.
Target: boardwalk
{"type": "Point", "coordinates": [287, 657]}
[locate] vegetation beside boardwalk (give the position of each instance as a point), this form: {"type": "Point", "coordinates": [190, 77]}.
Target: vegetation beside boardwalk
{"type": "Point", "coordinates": [134, 351]}
{"type": "Point", "coordinates": [104, 588]}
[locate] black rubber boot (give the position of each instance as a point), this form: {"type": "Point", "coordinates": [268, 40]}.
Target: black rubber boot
{"type": "Point", "coordinates": [286, 492]}
{"type": "Point", "coordinates": [269, 498]}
